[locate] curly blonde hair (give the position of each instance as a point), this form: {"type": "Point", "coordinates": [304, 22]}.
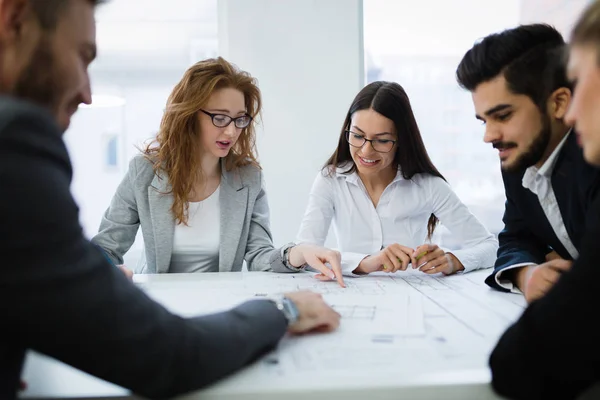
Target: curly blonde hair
{"type": "Point", "coordinates": [174, 150]}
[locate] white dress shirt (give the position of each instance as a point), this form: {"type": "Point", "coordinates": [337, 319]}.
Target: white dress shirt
{"type": "Point", "coordinates": [196, 245]}
{"type": "Point", "coordinates": [400, 217]}
{"type": "Point", "coordinates": [539, 182]}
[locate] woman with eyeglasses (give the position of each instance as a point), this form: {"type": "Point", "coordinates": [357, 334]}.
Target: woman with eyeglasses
{"type": "Point", "coordinates": [197, 190]}
{"type": "Point", "coordinates": [385, 196]}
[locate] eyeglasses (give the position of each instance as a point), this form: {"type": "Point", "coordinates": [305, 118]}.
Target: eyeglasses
{"type": "Point", "coordinates": [379, 145]}
{"type": "Point", "coordinates": [222, 120]}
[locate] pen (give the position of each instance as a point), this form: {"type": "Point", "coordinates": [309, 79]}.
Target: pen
{"type": "Point", "coordinates": [416, 258]}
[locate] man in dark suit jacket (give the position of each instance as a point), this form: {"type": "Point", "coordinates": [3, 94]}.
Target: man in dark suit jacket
{"type": "Point", "coordinates": [552, 351]}
{"type": "Point", "coordinates": [520, 91]}
{"type": "Point", "coordinates": [58, 294]}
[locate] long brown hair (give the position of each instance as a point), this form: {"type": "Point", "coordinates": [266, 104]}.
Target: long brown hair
{"type": "Point", "coordinates": [390, 100]}
{"type": "Point", "coordinates": [174, 151]}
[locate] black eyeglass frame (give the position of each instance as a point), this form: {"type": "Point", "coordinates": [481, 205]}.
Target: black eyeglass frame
{"type": "Point", "coordinates": [231, 119]}
{"type": "Point", "coordinates": [365, 140]}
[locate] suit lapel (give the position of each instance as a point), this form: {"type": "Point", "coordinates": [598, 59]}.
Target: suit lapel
{"type": "Point", "coordinates": [563, 180]}
{"type": "Point", "coordinates": [163, 222]}
{"type": "Point", "coordinates": [233, 203]}
{"type": "Point", "coordinates": [562, 169]}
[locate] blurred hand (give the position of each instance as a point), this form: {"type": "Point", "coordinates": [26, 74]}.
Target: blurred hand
{"type": "Point", "coordinates": [314, 314]}
{"type": "Point", "coordinates": [536, 281]}
{"type": "Point", "coordinates": [436, 260]}
{"type": "Point", "coordinates": [327, 261]}
{"type": "Point", "coordinates": [394, 257]}
{"type": "Point", "coordinates": [128, 273]}
{"type": "Point", "coordinates": [553, 255]}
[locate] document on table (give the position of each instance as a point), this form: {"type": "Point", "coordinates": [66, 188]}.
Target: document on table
{"type": "Point", "coordinates": [404, 322]}
{"type": "Point", "coordinates": [367, 307]}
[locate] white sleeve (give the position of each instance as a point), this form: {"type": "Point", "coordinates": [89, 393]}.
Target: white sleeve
{"type": "Point", "coordinates": [479, 246]}
{"type": "Point", "coordinates": [317, 220]}
{"type": "Point", "coordinates": [507, 283]}
{"type": "Point", "coordinates": [319, 212]}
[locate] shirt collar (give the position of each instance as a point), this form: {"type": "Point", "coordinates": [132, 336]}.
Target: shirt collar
{"type": "Point", "coordinates": [547, 168]}
{"type": "Point", "coordinates": [354, 178]}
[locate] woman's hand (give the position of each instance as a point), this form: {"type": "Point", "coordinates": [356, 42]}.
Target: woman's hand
{"type": "Point", "coordinates": [432, 260]}
{"type": "Point", "coordinates": [394, 257]}
{"type": "Point", "coordinates": [327, 261]}
{"type": "Point", "coordinates": [126, 271]}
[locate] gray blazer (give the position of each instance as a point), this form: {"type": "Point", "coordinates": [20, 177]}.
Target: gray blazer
{"type": "Point", "coordinates": [142, 199]}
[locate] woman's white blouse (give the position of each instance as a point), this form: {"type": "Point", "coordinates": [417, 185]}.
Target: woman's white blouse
{"type": "Point", "coordinates": [400, 217]}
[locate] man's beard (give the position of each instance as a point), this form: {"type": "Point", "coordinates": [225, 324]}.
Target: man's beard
{"type": "Point", "coordinates": [534, 153]}
{"type": "Point", "coordinates": [39, 82]}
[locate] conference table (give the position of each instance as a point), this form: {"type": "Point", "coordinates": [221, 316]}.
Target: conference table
{"type": "Point", "coordinates": [403, 335]}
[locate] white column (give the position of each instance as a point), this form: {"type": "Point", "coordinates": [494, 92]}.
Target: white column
{"type": "Point", "coordinates": [308, 59]}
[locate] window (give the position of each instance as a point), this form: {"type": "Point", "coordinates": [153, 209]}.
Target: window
{"type": "Point", "coordinates": [144, 47]}
{"type": "Point", "coordinates": [111, 151]}
{"type": "Point", "coordinates": [419, 44]}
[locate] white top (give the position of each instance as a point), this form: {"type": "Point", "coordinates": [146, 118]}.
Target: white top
{"type": "Point", "coordinates": [400, 217]}
{"type": "Point", "coordinates": [196, 245]}
{"type": "Point", "coordinates": [539, 182]}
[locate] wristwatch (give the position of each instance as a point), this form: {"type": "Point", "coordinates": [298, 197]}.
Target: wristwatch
{"type": "Point", "coordinates": [285, 256]}
{"type": "Point", "coordinates": [287, 307]}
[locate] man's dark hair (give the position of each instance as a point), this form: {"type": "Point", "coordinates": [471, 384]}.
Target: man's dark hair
{"type": "Point", "coordinates": [531, 57]}
{"type": "Point", "coordinates": [49, 11]}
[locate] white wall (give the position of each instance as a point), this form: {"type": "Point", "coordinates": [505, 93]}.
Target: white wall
{"type": "Point", "coordinates": [136, 122]}
{"type": "Point", "coordinates": [308, 59]}
{"type": "Point", "coordinates": [93, 183]}
{"type": "Point", "coordinates": [307, 56]}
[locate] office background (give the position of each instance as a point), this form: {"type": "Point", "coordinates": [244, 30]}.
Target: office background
{"type": "Point", "coordinates": [310, 58]}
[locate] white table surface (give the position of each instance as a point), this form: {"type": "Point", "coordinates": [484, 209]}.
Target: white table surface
{"type": "Point", "coordinates": [463, 320]}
